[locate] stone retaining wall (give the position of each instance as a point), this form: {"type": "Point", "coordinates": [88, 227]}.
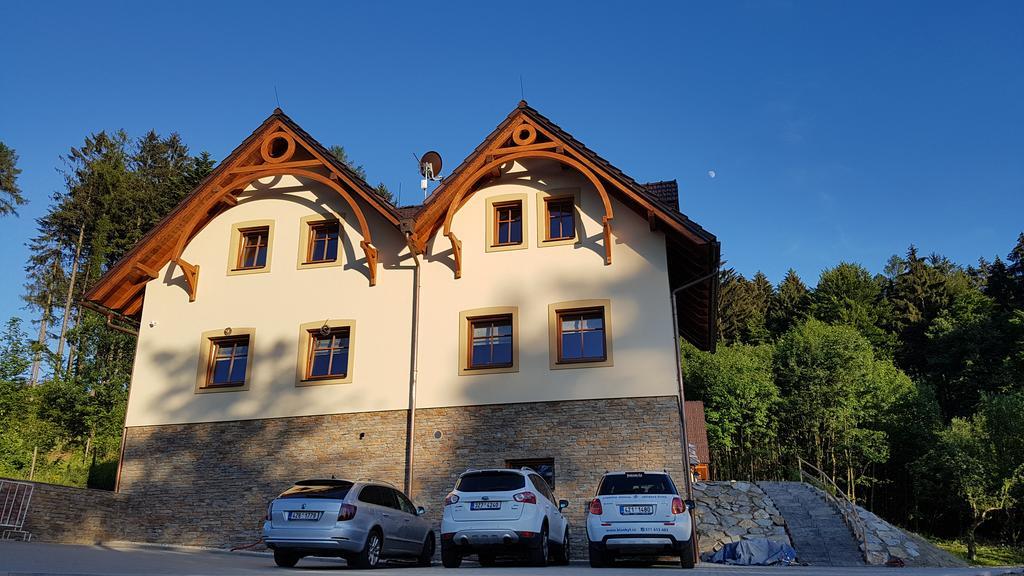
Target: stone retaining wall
{"type": "Point", "coordinates": [74, 515]}
{"type": "Point", "coordinates": [734, 511]}
{"type": "Point", "coordinates": [886, 542]}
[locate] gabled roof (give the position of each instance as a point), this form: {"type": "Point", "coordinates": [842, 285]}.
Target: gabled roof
{"type": "Point", "coordinates": [693, 252]}
{"type": "Point", "coordinates": [121, 288]}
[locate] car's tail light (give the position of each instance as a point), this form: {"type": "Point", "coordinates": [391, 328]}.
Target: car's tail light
{"type": "Point", "coordinates": [451, 498]}
{"type": "Point", "coordinates": [347, 512]}
{"type": "Point", "coordinates": [595, 507]}
{"type": "Point", "coordinates": [677, 506]}
{"type": "Point", "coordinates": [269, 507]}
{"type": "Point", "coordinates": [526, 497]}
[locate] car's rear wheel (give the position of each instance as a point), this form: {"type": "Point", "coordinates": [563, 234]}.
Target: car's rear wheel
{"type": "Point", "coordinates": [599, 557]}
{"type": "Point", "coordinates": [450, 555]}
{"type": "Point", "coordinates": [369, 557]}
{"type": "Point", "coordinates": [561, 552]}
{"type": "Point", "coordinates": [426, 557]}
{"type": "Point", "coordinates": [686, 556]}
{"type": "Point", "coordinates": [286, 559]}
{"type": "Point", "coordinates": [537, 554]}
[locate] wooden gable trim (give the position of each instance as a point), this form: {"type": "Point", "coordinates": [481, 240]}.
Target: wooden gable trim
{"type": "Point", "coordinates": [124, 283]}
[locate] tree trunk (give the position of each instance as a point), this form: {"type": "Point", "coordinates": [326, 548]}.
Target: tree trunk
{"type": "Point", "coordinates": [41, 342]}
{"type": "Point", "coordinates": [73, 355]}
{"type": "Point", "coordinates": [69, 300]}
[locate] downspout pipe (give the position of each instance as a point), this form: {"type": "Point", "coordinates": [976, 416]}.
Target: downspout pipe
{"type": "Point", "coordinates": [410, 443]}
{"type": "Point", "coordinates": [677, 342]}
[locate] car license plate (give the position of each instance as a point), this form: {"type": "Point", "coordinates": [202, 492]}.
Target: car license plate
{"type": "Point", "coordinates": [304, 515]}
{"type": "Point", "coordinates": [636, 510]}
{"type": "Point", "coordinates": [485, 506]}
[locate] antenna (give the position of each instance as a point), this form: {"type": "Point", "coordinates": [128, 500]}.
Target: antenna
{"type": "Point", "coordinates": [522, 90]}
{"type": "Point", "coordinates": [430, 168]}
{"type": "Point", "coordinates": [276, 97]}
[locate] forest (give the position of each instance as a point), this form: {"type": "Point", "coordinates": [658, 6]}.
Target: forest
{"type": "Point", "coordinates": [907, 387]}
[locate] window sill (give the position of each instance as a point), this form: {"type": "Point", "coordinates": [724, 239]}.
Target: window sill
{"type": "Point", "coordinates": [505, 247]}
{"type": "Point", "coordinates": [324, 381]}
{"type": "Point", "coordinates": [606, 363]}
{"type": "Point", "coordinates": [320, 264]}
{"type": "Point", "coordinates": [559, 242]}
{"type": "Point", "coordinates": [494, 370]}
{"type": "Point", "coordinates": [213, 389]}
{"type": "Point", "coordinates": [244, 271]}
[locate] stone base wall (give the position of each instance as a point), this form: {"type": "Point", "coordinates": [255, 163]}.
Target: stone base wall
{"type": "Point", "coordinates": [734, 511]}
{"type": "Point", "coordinates": [209, 484]}
{"type": "Point", "coordinates": [74, 515]}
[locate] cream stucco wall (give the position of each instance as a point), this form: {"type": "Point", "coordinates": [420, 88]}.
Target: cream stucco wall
{"type": "Point", "coordinates": [275, 303]}
{"type": "Point", "coordinates": [636, 283]}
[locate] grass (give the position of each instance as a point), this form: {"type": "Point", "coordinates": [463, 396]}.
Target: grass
{"type": "Point", "coordinates": [988, 554]}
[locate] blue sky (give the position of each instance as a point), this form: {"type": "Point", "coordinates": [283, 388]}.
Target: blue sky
{"type": "Point", "coordinates": [836, 130]}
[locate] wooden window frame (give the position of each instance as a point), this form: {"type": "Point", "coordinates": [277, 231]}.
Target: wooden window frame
{"type": "Point", "coordinates": [466, 318]}
{"type": "Point", "coordinates": [597, 311]}
{"type": "Point", "coordinates": [303, 360]}
{"type": "Point", "coordinates": [243, 245]}
{"type": "Point", "coordinates": [555, 312]}
{"type": "Point", "coordinates": [543, 216]}
{"type": "Point", "coordinates": [311, 244]}
{"type": "Point", "coordinates": [547, 217]}
{"type": "Point", "coordinates": [491, 231]}
{"type": "Point", "coordinates": [498, 207]}
{"type": "Point", "coordinates": [305, 234]}
{"type": "Point", "coordinates": [209, 342]}
{"type": "Point", "coordinates": [236, 245]}
{"type": "Point", "coordinates": [313, 335]}
{"type": "Point", "coordinates": [471, 340]}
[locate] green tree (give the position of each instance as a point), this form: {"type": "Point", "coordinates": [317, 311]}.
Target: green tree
{"type": "Point", "coordinates": [790, 304]}
{"type": "Point", "coordinates": [342, 156]}
{"type": "Point", "coordinates": [740, 403]}
{"type": "Point", "coordinates": [10, 193]}
{"type": "Point", "coordinates": [848, 294]}
{"type": "Point", "coordinates": [965, 465]}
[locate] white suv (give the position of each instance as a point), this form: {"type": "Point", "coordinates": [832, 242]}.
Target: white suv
{"type": "Point", "coordinates": [639, 514]}
{"type": "Point", "coordinates": [503, 511]}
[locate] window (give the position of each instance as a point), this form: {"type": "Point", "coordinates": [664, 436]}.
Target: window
{"type": "Point", "coordinates": [253, 246]}
{"type": "Point", "coordinates": [225, 360]}
{"type": "Point", "coordinates": [328, 353]}
{"type": "Point", "coordinates": [580, 334]}
{"type": "Point", "coordinates": [379, 495]}
{"type": "Point", "coordinates": [561, 218]}
{"type": "Point", "coordinates": [543, 466]}
{"type": "Point", "coordinates": [490, 342]}
{"type": "Point", "coordinates": [508, 223]}
{"type": "Point", "coordinates": [229, 358]}
{"type": "Point", "coordinates": [490, 481]}
{"type": "Point", "coordinates": [404, 503]}
{"type": "Point", "coordinates": [323, 242]}
{"type": "Point", "coordinates": [250, 249]}
{"type": "Point", "coordinates": [636, 483]}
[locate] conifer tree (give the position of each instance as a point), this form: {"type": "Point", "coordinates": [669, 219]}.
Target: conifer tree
{"type": "Point", "coordinates": [10, 193]}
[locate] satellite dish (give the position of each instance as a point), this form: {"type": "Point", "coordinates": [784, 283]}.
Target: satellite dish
{"type": "Point", "coordinates": [433, 159]}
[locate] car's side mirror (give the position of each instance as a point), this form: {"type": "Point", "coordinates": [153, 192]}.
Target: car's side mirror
{"type": "Point", "coordinates": [420, 510]}
{"type": "Point", "coordinates": [562, 505]}
{"type": "Point", "coordinates": [690, 505]}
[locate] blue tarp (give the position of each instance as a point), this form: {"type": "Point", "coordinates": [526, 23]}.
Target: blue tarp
{"type": "Point", "coordinates": [756, 552]}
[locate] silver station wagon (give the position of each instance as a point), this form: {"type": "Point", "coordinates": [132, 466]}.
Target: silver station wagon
{"type": "Point", "coordinates": [362, 521]}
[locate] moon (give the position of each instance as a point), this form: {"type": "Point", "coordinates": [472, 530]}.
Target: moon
{"type": "Point", "coordinates": [712, 174]}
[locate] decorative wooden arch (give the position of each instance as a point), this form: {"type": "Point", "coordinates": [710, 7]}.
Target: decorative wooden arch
{"type": "Point", "coordinates": [191, 271]}
{"type": "Point", "coordinates": [524, 146]}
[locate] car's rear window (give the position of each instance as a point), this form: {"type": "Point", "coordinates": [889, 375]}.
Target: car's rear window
{"type": "Point", "coordinates": [333, 489]}
{"type": "Point", "coordinates": [636, 483]}
{"type": "Point", "coordinates": [491, 482]}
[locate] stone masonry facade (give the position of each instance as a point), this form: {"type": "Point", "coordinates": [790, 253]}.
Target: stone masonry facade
{"type": "Point", "coordinates": [209, 484]}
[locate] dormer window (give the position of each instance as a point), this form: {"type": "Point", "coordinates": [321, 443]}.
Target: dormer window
{"type": "Point", "coordinates": [508, 224]}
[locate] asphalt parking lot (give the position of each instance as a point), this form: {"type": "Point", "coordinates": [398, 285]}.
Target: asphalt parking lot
{"type": "Point", "coordinates": [24, 559]}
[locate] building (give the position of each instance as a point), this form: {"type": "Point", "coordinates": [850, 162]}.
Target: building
{"type": "Point", "coordinates": [294, 324]}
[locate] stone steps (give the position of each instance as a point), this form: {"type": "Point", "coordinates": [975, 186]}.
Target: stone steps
{"type": "Point", "coordinates": [816, 528]}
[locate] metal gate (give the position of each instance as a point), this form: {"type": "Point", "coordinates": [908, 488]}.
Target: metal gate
{"type": "Point", "coordinates": [15, 498]}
